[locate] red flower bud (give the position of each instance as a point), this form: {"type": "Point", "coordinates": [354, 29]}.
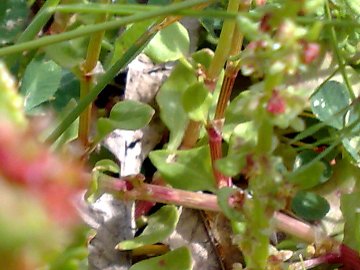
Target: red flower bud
{"type": "Point", "coordinates": [276, 104]}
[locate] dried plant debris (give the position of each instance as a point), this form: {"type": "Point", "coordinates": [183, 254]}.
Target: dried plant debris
{"type": "Point", "coordinates": [114, 219]}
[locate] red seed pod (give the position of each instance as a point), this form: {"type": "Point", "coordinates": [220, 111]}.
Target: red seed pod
{"type": "Point", "coordinates": [276, 104]}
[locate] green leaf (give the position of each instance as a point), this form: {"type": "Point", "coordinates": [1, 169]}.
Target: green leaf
{"type": "Point", "coordinates": [40, 82]}
{"type": "Point", "coordinates": [13, 19]}
{"type": "Point", "coordinates": [68, 54]}
{"type": "Point", "coordinates": [309, 177]}
{"type": "Point", "coordinates": [11, 103]}
{"type": "Point", "coordinates": [185, 169]}
{"type": "Point", "coordinates": [309, 206]}
{"type": "Point", "coordinates": [223, 196]}
{"type": "Point", "coordinates": [69, 91]}
{"type": "Point", "coordinates": [107, 165]}
{"type": "Point", "coordinates": [160, 225]}
{"type": "Point", "coordinates": [169, 97]}
{"type": "Point", "coordinates": [232, 165]}
{"type": "Point", "coordinates": [128, 38]}
{"type": "Point", "coordinates": [170, 44]}
{"type": "Point", "coordinates": [329, 102]}
{"type": "Point", "coordinates": [319, 172]}
{"type": "Point", "coordinates": [203, 57]}
{"type": "Point", "coordinates": [350, 204]}
{"type": "Point", "coordinates": [128, 115]}
{"type": "Point", "coordinates": [178, 259]}
{"type": "Point", "coordinates": [196, 101]}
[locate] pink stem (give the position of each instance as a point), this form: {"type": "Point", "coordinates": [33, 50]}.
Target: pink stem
{"type": "Point", "coordinates": [131, 188]}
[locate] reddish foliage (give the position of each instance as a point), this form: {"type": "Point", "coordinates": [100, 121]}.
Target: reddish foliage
{"type": "Point", "coordinates": [53, 179]}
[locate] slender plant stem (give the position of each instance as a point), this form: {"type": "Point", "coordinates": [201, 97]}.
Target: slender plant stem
{"type": "Point", "coordinates": [132, 188]}
{"type": "Point", "coordinates": [83, 31]}
{"type": "Point", "coordinates": [215, 127]}
{"type": "Point", "coordinates": [217, 64]}
{"type": "Point", "coordinates": [191, 134]}
{"type": "Point", "coordinates": [338, 55]}
{"type": "Point", "coordinates": [93, 53]}
{"type": "Point", "coordinates": [223, 47]}
{"type": "Point", "coordinates": [215, 140]}
{"type": "Point", "coordinates": [39, 21]}
{"type": "Point", "coordinates": [134, 50]}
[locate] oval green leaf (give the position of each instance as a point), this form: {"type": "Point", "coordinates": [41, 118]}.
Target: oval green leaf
{"type": "Point", "coordinates": [329, 103]}
{"type": "Point", "coordinates": [128, 115]}
{"type": "Point", "coordinates": [309, 206]}
{"type": "Point", "coordinates": [185, 169]}
{"type": "Point", "coordinates": [160, 225]}
{"type": "Point", "coordinates": [178, 259]}
{"type": "Point", "coordinates": [170, 44]}
{"type": "Point", "coordinates": [169, 97]}
{"type": "Point", "coordinates": [40, 82]}
{"type": "Point", "coordinates": [197, 101]}
{"type": "Point", "coordinates": [312, 176]}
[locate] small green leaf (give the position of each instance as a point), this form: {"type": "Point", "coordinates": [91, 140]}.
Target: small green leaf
{"type": "Point", "coordinates": [170, 44]}
{"type": "Point", "coordinates": [329, 102]}
{"type": "Point", "coordinates": [13, 19]}
{"type": "Point", "coordinates": [223, 196]}
{"type": "Point", "coordinates": [68, 54]}
{"type": "Point", "coordinates": [232, 165]}
{"type": "Point", "coordinates": [309, 206]}
{"type": "Point", "coordinates": [350, 204]}
{"type": "Point", "coordinates": [128, 115]}
{"type": "Point", "coordinates": [317, 173]}
{"type": "Point", "coordinates": [309, 177]}
{"type": "Point", "coordinates": [160, 225]}
{"type": "Point", "coordinates": [128, 38]}
{"type": "Point", "coordinates": [196, 101]}
{"type": "Point", "coordinates": [203, 57]}
{"type": "Point", "coordinates": [107, 165]}
{"type": "Point", "coordinates": [169, 97]}
{"type": "Point", "coordinates": [185, 169]}
{"type": "Point", "coordinates": [178, 259]}
{"type": "Point", "coordinates": [40, 82]}
{"type": "Point", "coordinates": [69, 91]}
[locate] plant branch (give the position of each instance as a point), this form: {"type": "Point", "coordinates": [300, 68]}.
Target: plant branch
{"type": "Point", "coordinates": [340, 60]}
{"type": "Point", "coordinates": [87, 68]}
{"type": "Point", "coordinates": [215, 127]}
{"type": "Point", "coordinates": [132, 188]}
{"type": "Point", "coordinates": [223, 47]}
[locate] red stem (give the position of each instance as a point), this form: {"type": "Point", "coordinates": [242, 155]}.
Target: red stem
{"type": "Point", "coordinates": [215, 140]}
